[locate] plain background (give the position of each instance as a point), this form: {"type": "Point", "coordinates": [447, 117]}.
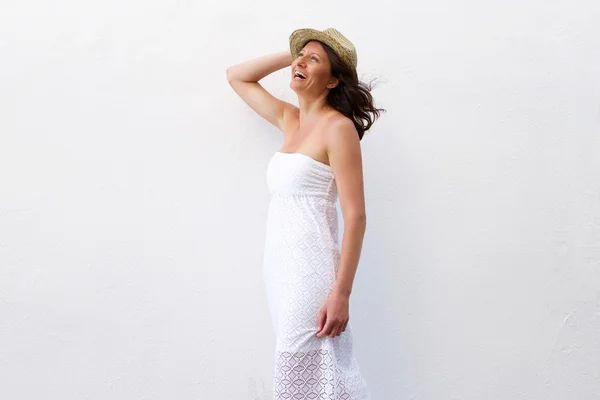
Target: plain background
{"type": "Point", "coordinates": [133, 198]}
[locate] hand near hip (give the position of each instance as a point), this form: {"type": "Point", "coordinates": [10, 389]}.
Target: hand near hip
{"type": "Point", "coordinates": [333, 315]}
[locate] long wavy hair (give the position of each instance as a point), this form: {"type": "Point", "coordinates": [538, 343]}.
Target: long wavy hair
{"type": "Point", "coordinates": [351, 97]}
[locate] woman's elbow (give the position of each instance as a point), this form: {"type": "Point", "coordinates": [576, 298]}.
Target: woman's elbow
{"type": "Point", "coordinates": [358, 219]}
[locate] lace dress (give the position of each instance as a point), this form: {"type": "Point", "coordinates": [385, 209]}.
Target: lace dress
{"type": "Point", "coordinates": [301, 258]}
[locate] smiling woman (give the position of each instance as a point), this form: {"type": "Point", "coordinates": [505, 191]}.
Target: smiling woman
{"type": "Point", "coordinates": [299, 75]}
{"type": "Point", "coordinates": [307, 276]}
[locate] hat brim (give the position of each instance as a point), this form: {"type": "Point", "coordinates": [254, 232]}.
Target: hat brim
{"type": "Point", "coordinates": [300, 37]}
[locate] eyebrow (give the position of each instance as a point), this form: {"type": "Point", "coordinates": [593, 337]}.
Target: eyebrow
{"type": "Point", "coordinates": [316, 54]}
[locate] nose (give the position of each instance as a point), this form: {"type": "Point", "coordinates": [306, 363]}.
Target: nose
{"type": "Point", "coordinates": [299, 60]}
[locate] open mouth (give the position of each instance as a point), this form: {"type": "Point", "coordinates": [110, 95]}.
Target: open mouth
{"type": "Point", "coordinates": [299, 75]}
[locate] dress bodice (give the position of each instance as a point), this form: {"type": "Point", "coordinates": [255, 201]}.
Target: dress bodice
{"type": "Point", "coordinates": [299, 174]}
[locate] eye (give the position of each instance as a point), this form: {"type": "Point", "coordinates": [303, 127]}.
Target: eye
{"type": "Point", "coordinates": [314, 58]}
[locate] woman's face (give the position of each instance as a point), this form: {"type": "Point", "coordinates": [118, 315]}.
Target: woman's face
{"type": "Point", "coordinates": [314, 64]}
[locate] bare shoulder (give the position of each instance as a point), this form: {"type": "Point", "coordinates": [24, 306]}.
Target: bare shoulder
{"type": "Point", "coordinates": [342, 136]}
{"type": "Point", "coordinates": [343, 148]}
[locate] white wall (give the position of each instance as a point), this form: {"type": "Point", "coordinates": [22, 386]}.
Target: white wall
{"type": "Point", "coordinates": [133, 198]}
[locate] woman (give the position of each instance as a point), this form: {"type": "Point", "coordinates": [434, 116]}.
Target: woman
{"type": "Point", "coordinates": [307, 277]}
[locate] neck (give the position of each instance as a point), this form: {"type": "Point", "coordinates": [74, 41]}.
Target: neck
{"type": "Point", "coordinates": [312, 108]}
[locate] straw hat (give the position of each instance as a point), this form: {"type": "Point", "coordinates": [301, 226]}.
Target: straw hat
{"type": "Point", "coordinates": [331, 37]}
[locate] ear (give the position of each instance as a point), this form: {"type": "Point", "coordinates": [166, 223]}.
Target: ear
{"type": "Point", "coordinates": [333, 82]}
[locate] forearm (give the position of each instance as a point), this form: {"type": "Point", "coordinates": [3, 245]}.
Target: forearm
{"type": "Point", "coordinates": [354, 231]}
{"type": "Point", "coordinates": [255, 69]}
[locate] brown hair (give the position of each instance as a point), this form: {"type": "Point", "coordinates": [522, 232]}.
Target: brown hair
{"type": "Point", "coordinates": [351, 97]}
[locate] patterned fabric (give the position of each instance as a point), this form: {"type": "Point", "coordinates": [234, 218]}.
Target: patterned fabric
{"type": "Point", "coordinates": [301, 258]}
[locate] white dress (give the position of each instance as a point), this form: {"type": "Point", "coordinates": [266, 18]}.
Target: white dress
{"type": "Point", "coordinates": [301, 258]}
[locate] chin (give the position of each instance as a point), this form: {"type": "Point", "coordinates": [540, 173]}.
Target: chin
{"type": "Point", "coordinates": [294, 87]}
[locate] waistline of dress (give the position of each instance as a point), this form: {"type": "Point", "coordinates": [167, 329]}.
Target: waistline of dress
{"type": "Point", "coordinates": [289, 196]}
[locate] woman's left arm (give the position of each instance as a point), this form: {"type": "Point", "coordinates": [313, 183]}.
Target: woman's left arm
{"type": "Point", "coordinates": [344, 153]}
{"type": "Point", "coordinates": [345, 158]}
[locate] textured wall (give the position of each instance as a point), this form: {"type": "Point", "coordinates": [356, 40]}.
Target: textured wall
{"type": "Point", "coordinates": [133, 199]}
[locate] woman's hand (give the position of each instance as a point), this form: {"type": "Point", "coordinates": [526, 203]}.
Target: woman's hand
{"type": "Point", "coordinates": [333, 315]}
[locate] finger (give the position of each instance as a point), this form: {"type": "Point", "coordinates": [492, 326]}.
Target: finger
{"type": "Point", "coordinates": [321, 319]}
{"type": "Point", "coordinates": [344, 326]}
{"type": "Point", "coordinates": [326, 329]}
{"type": "Point", "coordinates": [334, 330]}
{"type": "Point", "coordinates": [339, 332]}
